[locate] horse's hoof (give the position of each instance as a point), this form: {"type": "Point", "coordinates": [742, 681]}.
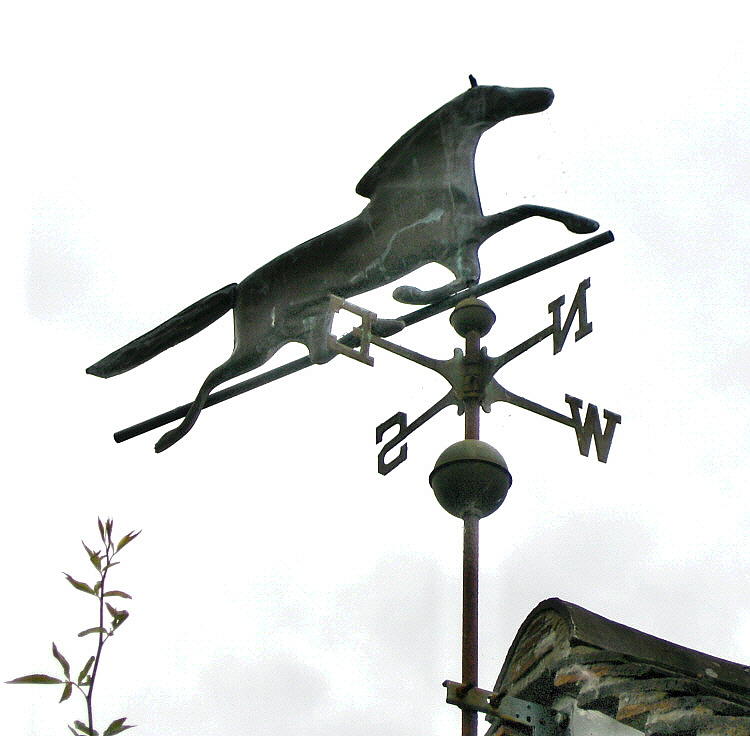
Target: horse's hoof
{"type": "Point", "coordinates": [387, 327]}
{"type": "Point", "coordinates": [583, 225]}
{"type": "Point", "coordinates": [408, 295]}
{"type": "Point", "coordinates": [166, 441]}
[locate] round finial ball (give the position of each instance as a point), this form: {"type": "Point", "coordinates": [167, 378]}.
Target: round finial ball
{"type": "Point", "coordinates": [470, 478]}
{"type": "Point", "coordinates": [471, 315]}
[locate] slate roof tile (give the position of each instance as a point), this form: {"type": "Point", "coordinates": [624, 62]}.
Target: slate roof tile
{"type": "Point", "coordinates": [646, 683]}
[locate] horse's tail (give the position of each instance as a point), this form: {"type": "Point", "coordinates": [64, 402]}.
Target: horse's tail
{"type": "Point", "coordinates": [183, 325]}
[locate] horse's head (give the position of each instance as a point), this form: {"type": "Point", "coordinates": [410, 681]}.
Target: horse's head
{"type": "Point", "coordinates": [456, 126]}
{"type": "Point", "coordinates": [487, 105]}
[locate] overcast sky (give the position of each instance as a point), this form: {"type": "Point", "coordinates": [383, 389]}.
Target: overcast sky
{"type": "Point", "coordinates": [160, 150]}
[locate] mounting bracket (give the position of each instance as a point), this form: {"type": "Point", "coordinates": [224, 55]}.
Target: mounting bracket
{"type": "Point", "coordinates": [521, 716]}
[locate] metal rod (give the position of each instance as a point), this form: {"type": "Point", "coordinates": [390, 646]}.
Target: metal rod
{"type": "Point", "coordinates": [471, 419]}
{"type": "Point", "coordinates": [530, 269]}
{"type": "Point", "coordinates": [411, 318]}
{"type": "Point", "coordinates": [215, 398]}
{"type": "Point", "coordinates": [470, 634]}
{"type": "Point", "coordinates": [470, 627]}
{"type": "Point", "coordinates": [472, 361]}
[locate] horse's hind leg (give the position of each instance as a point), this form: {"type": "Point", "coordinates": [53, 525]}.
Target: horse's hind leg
{"type": "Point", "coordinates": [236, 365]}
{"type": "Point", "coordinates": [218, 375]}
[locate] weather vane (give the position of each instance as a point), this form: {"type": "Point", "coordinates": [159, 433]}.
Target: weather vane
{"type": "Point", "coordinates": [424, 208]}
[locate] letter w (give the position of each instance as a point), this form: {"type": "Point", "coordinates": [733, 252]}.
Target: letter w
{"type": "Point", "coordinates": [592, 427]}
{"type": "Point", "coordinates": [559, 330]}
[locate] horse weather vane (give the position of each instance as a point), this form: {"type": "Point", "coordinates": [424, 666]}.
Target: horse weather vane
{"type": "Point", "coordinates": [424, 208]}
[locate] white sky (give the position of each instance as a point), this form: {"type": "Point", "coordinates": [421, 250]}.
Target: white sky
{"type": "Point", "coordinates": [158, 151]}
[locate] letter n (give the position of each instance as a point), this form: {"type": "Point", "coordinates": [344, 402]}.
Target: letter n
{"type": "Point", "coordinates": [559, 330]}
{"type": "Point", "coordinates": [592, 427]}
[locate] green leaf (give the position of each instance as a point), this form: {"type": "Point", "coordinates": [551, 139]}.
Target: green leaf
{"type": "Point", "coordinates": [86, 668]}
{"type": "Point", "coordinates": [67, 690]}
{"type": "Point", "coordinates": [93, 630]}
{"type": "Point", "coordinates": [101, 533]}
{"type": "Point", "coordinates": [118, 593]}
{"type": "Point", "coordinates": [110, 523]}
{"type": "Point", "coordinates": [85, 729]}
{"type": "Point", "coordinates": [78, 585]}
{"type": "Point", "coordinates": [129, 537]}
{"type": "Point", "coordinates": [112, 610]}
{"type": "Point", "coordinates": [97, 586]}
{"type": "Point", "coordinates": [63, 662]}
{"type": "Point", "coordinates": [121, 616]}
{"type": "Point", "coordinates": [96, 560]}
{"type": "Point", "coordinates": [35, 680]}
{"type": "Point", "coordinates": [116, 727]}
{"type": "Point", "coordinates": [73, 731]}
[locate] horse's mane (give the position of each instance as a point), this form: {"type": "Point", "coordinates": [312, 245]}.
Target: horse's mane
{"type": "Point", "coordinates": [379, 170]}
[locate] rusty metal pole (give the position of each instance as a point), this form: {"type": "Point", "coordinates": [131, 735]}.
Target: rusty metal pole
{"type": "Point", "coordinates": [472, 391]}
{"type": "Point", "coordinates": [470, 631]}
{"type": "Point", "coordinates": [470, 481]}
{"type": "Point", "coordinates": [470, 653]}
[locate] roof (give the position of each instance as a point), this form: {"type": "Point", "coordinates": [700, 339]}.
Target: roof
{"type": "Point", "coordinates": [563, 652]}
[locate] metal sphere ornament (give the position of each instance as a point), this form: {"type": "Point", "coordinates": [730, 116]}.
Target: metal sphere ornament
{"type": "Point", "coordinates": [472, 315]}
{"type": "Point", "coordinates": [470, 478]}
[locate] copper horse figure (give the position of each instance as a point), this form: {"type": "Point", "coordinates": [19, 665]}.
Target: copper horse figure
{"type": "Point", "coordinates": [424, 208]}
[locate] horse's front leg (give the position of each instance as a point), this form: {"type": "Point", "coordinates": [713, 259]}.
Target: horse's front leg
{"type": "Point", "coordinates": [575, 223]}
{"type": "Point", "coordinates": [465, 267]}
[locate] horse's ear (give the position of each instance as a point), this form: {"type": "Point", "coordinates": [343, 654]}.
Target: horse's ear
{"type": "Point", "coordinates": [472, 80]}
